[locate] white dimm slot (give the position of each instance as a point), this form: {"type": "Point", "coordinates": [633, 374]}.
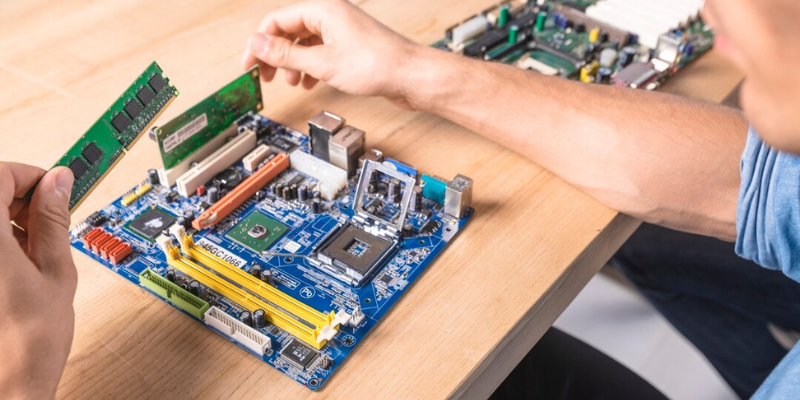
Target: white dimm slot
{"type": "Point", "coordinates": [236, 330]}
{"type": "Point", "coordinates": [216, 162]}
{"type": "Point", "coordinates": [168, 177]}
{"type": "Point", "coordinates": [251, 161]}
{"type": "Point", "coordinates": [331, 178]}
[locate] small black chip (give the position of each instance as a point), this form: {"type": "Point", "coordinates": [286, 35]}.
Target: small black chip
{"type": "Point", "coordinates": [92, 153]}
{"type": "Point", "coordinates": [133, 108]}
{"type": "Point", "coordinates": [299, 354]}
{"type": "Point", "coordinates": [386, 279]}
{"type": "Point", "coordinates": [96, 219]}
{"type": "Point", "coordinates": [150, 223]}
{"type": "Point", "coordinates": [121, 122]}
{"type": "Point", "coordinates": [281, 144]}
{"type": "Point", "coordinates": [78, 168]}
{"type": "Point", "coordinates": [157, 83]}
{"type": "Point", "coordinates": [145, 95]}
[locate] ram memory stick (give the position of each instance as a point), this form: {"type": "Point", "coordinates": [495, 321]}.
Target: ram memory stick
{"type": "Point", "coordinates": [117, 130]}
{"type": "Point", "coordinates": [181, 136]}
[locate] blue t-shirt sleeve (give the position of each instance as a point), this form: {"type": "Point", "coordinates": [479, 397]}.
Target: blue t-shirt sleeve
{"type": "Point", "coordinates": [768, 214]}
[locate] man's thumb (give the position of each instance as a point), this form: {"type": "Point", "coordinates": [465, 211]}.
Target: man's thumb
{"type": "Point", "coordinates": [48, 220]}
{"type": "Point", "coordinates": [280, 52]}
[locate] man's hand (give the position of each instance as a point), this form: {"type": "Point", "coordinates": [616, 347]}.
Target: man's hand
{"type": "Point", "coordinates": [332, 41]}
{"type": "Point", "coordinates": [38, 283]}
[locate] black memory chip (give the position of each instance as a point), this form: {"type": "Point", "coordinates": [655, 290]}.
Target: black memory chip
{"type": "Point", "coordinates": [92, 153]}
{"type": "Point", "coordinates": [133, 108]}
{"type": "Point", "coordinates": [78, 168]}
{"type": "Point", "coordinates": [299, 354]}
{"type": "Point", "coordinates": [157, 83]}
{"type": "Point", "coordinates": [121, 122]}
{"type": "Point", "coordinates": [145, 95]}
{"type": "Point", "coordinates": [150, 223]}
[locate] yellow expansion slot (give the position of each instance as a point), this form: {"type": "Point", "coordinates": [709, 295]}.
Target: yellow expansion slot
{"type": "Point", "coordinates": [252, 303]}
{"type": "Point", "coordinates": [255, 285]}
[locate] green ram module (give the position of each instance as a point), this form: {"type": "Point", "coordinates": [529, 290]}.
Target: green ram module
{"type": "Point", "coordinates": [117, 130]}
{"type": "Point", "coordinates": [184, 134]}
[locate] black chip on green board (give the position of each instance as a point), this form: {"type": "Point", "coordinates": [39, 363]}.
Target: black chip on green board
{"type": "Point", "coordinates": [120, 122]}
{"type": "Point", "coordinates": [157, 83]}
{"type": "Point", "coordinates": [145, 95]}
{"type": "Point", "coordinates": [78, 168]}
{"type": "Point", "coordinates": [92, 153]}
{"type": "Point", "coordinates": [133, 108]}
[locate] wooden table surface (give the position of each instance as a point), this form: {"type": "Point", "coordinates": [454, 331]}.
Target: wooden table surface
{"type": "Point", "coordinates": [532, 245]}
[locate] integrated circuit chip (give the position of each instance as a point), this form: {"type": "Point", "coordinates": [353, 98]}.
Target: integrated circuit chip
{"type": "Point", "coordinates": [257, 231]}
{"type": "Point", "coordinates": [157, 83]}
{"type": "Point", "coordinates": [299, 354]}
{"type": "Point", "coordinates": [121, 122]}
{"type": "Point", "coordinates": [92, 153]}
{"type": "Point", "coordinates": [281, 144]}
{"type": "Point", "coordinates": [133, 108]}
{"type": "Point", "coordinates": [150, 223]}
{"type": "Point", "coordinates": [145, 95]}
{"type": "Point", "coordinates": [78, 168]}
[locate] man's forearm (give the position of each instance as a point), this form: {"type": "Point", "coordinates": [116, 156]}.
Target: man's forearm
{"type": "Point", "coordinates": [635, 151]}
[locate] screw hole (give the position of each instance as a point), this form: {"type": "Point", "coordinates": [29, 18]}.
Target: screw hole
{"type": "Point", "coordinates": [421, 241]}
{"type": "Point", "coordinates": [367, 300]}
{"type": "Point", "coordinates": [288, 259]}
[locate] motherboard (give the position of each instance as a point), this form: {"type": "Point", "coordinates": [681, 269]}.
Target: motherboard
{"type": "Point", "coordinates": [629, 43]}
{"type": "Point", "coordinates": [293, 246]}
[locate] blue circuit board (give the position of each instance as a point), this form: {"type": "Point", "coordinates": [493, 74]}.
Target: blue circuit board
{"type": "Point", "coordinates": [293, 273]}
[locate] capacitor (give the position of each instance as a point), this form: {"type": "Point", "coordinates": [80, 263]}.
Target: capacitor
{"type": "Point", "coordinates": [259, 318]}
{"type": "Point", "coordinates": [627, 56]}
{"type": "Point", "coordinates": [194, 288]}
{"type": "Point", "coordinates": [255, 270]}
{"type": "Point", "coordinates": [604, 75]}
{"type": "Point", "coordinates": [587, 73]}
{"type": "Point", "coordinates": [416, 201]}
{"type": "Point", "coordinates": [541, 18]}
{"type": "Point", "coordinates": [408, 229]}
{"type": "Point", "coordinates": [246, 318]}
{"type": "Point", "coordinates": [564, 23]}
{"type": "Point", "coordinates": [579, 28]}
{"type": "Point", "coordinates": [302, 193]}
{"type": "Point", "coordinates": [212, 195]}
{"type": "Point", "coordinates": [502, 19]}
{"type": "Point", "coordinates": [315, 206]}
{"type": "Point", "coordinates": [512, 34]}
{"type": "Point", "coordinates": [170, 274]}
{"type": "Point", "coordinates": [594, 35]}
{"type": "Point", "coordinates": [260, 195]}
{"type": "Point", "coordinates": [293, 191]}
{"type": "Point", "coordinates": [608, 57]}
{"type": "Point", "coordinates": [266, 276]}
{"type": "Point", "coordinates": [277, 190]}
{"type": "Point", "coordinates": [286, 193]}
{"type": "Point", "coordinates": [152, 177]}
{"type": "Point", "coordinates": [394, 190]}
{"type": "Point", "coordinates": [316, 194]}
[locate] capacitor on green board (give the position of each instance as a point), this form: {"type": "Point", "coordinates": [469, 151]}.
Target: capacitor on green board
{"type": "Point", "coordinates": [502, 20]}
{"type": "Point", "coordinates": [540, 20]}
{"type": "Point", "coordinates": [512, 34]}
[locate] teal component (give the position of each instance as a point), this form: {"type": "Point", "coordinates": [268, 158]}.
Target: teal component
{"type": "Point", "coordinates": [433, 188]}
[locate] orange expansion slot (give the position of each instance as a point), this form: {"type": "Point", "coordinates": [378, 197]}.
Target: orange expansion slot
{"type": "Point", "coordinates": [237, 196]}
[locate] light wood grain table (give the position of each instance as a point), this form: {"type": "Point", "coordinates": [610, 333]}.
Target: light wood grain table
{"type": "Point", "coordinates": [532, 245]}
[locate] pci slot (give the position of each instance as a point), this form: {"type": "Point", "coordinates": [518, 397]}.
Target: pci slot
{"type": "Point", "coordinates": [216, 162]}
{"type": "Point", "coordinates": [237, 196]}
{"type": "Point", "coordinates": [254, 340]}
{"type": "Point", "coordinates": [173, 293]}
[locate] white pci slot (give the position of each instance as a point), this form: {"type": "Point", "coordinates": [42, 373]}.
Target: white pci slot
{"type": "Point", "coordinates": [331, 178]}
{"type": "Point", "coordinates": [251, 161]}
{"type": "Point", "coordinates": [216, 162]}
{"type": "Point", "coordinates": [169, 176]}
{"type": "Point", "coordinates": [236, 330]}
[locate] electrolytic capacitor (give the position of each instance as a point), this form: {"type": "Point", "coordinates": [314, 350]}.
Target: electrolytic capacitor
{"type": "Point", "coordinates": [171, 275]}
{"type": "Point", "coordinates": [416, 201]}
{"type": "Point", "coordinates": [255, 270]}
{"type": "Point", "coordinates": [194, 288]}
{"type": "Point", "coordinates": [260, 195]}
{"type": "Point", "coordinates": [189, 215]}
{"type": "Point", "coordinates": [266, 276]}
{"type": "Point", "coordinates": [607, 57]}
{"type": "Point", "coordinates": [502, 19]}
{"type": "Point", "coordinates": [286, 193]}
{"type": "Point", "coordinates": [408, 229]}
{"type": "Point", "coordinates": [541, 18]}
{"type": "Point", "coordinates": [604, 75]}
{"type": "Point", "coordinates": [212, 195]}
{"type": "Point", "coordinates": [293, 191]}
{"type": "Point", "coordinates": [512, 34]}
{"type": "Point", "coordinates": [246, 318]}
{"type": "Point", "coordinates": [594, 35]}
{"type": "Point", "coordinates": [259, 318]}
{"type": "Point", "coordinates": [627, 57]}
{"type": "Point", "coordinates": [302, 193]}
{"type": "Point", "coordinates": [152, 177]}
{"type": "Point", "coordinates": [315, 206]}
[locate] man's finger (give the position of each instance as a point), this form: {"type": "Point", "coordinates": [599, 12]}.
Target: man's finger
{"type": "Point", "coordinates": [16, 180]}
{"type": "Point", "coordinates": [280, 52]}
{"type": "Point", "coordinates": [48, 222]}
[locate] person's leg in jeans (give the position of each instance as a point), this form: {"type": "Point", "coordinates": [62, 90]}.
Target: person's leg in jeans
{"type": "Point", "coordinates": [561, 367]}
{"type": "Point", "coordinates": [723, 304]}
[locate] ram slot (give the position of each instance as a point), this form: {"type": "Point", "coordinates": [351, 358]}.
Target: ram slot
{"type": "Point", "coordinates": [237, 196]}
{"type": "Point", "coordinates": [274, 315]}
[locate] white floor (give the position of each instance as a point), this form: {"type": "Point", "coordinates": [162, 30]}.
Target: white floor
{"type": "Point", "coordinates": [622, 324]}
